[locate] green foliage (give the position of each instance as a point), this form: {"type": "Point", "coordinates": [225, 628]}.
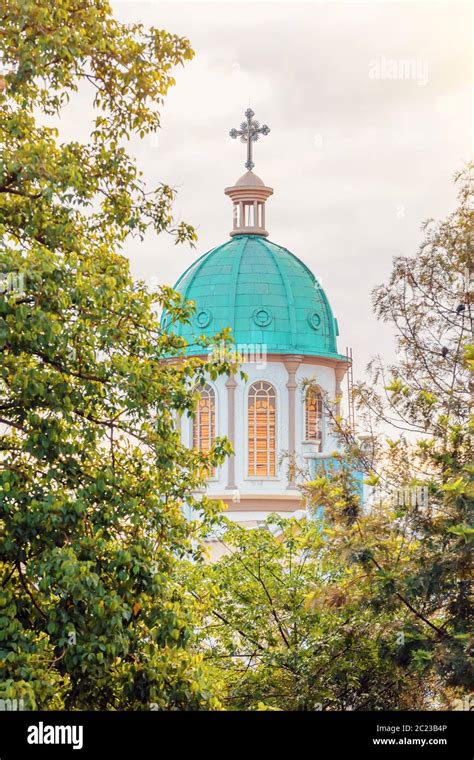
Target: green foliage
{"type": "Point", "coordinates": [288, 627]}
{"type": "Point", "coordinates": [93, 476]}
{"type": "Point", "coordinates": [415, 544]}
{"type": "Point", "coordinates": [105, 601]}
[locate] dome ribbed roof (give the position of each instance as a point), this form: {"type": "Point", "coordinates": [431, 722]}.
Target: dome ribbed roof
{"type": "Point", "coordinates": [264, 293]}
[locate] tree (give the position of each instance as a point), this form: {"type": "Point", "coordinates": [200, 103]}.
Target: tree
{"type": "Point", "coordinates": [287, 625]}
{"type": "Point", "coordinates": [414, 544]}
{"type": "Point", "coordinates": [93, 476]}
{"type": "Point", "coordinates": [367, 608]}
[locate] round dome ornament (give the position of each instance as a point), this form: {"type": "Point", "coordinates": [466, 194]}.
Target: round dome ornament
{"type": "Point", "coordinates": [262, 317]}
{"type": "Point", "coordinates": [203, 318]}
{"type": "Point", "coordinates": [314, 320]}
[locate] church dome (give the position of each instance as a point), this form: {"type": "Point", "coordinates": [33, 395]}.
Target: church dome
{"type": "Point", "coordinates": [264, 293]}
{"type": "Point", "coordinates": [260, 290]}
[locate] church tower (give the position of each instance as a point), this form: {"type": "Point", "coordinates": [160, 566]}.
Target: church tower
{"type": "Point", "coordinates": [285, 331]}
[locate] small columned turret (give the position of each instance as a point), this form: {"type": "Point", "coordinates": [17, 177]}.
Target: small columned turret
{"type": "Point", "coordinates": [249, 192]}
{"type": "Point", "coordinates": [248, 196]}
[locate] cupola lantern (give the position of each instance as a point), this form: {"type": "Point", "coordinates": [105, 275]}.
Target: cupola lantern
{"type": "Point", "coordinates": [249, 193]}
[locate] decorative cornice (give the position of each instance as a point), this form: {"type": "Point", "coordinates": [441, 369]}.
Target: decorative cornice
{"type": "Point", "coordinates": [324, 361]}
{"type": "Point", "coordinates": [263, 503]}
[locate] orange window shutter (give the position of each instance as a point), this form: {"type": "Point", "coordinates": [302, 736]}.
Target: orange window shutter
{"type": "Point", "coordinates": [261, 424]}
{"type": "Point", "coordinates": [313, 417]}
{"type": "Point", "coordinates": [204, 428]}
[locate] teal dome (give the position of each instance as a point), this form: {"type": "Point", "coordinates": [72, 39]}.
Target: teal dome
{"type": "Point", "coordinates": [263, 293]}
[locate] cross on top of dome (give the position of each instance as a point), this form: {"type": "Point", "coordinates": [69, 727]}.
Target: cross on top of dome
{"type": "Point", "coordinates": [249, 133]}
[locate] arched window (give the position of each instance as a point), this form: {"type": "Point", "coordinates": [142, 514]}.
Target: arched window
{"type": "Point", "coordinates": [204, 423]}
{"type": "Point", "coordinates": [313, 417]}
{"type": "Point", "coordinates": [262, 430]}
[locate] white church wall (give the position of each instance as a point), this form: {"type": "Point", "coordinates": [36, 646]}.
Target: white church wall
{"type": "Point", "coordinates": [276, 374]}
{"type": "Point", "coordinates": [219, 482]}
{"type": "Point", "coordinates": [326, 380]}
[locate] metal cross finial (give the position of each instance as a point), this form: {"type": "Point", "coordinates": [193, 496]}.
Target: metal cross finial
{"type": "Point", "coordinates": [248, 133]}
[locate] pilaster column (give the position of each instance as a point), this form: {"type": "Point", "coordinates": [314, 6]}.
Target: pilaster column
{"type": "Point", "coordinates": [340, 371]}
{"type": "Point", "coordinates": [292, 362]}
{"type": "Point", "coordinates": [231, 385]}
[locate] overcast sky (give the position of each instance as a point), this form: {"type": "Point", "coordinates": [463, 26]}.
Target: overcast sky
{"type": "Point", "coordinates": [357, 160]}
